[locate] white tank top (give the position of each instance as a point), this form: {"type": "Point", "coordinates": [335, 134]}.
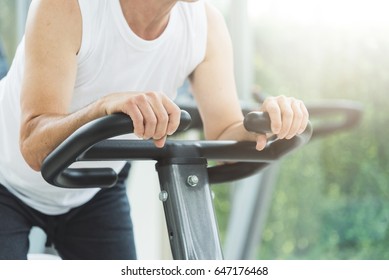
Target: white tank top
{"type": "Point", "coordinates": [111, 59]}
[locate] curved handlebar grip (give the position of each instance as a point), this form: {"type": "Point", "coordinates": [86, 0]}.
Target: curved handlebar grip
{"type": "Point", "coordinates": [328, 116]}
{"type": "Point", "coordinates": [335, 116]}
{"type": "Point", "coordinates": [55, 168]}
{"type": "Point", "coordinates": [82, 145]}
{"type": "Point", "coordinates": [258, 122]}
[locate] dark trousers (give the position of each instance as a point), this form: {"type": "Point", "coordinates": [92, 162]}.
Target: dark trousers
{"type": "Point", "coordinates": [99, 229]}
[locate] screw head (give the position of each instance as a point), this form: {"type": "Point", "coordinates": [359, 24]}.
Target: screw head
{"type": "Point", "coordinates": [163, 196]}
{"type": "Point", "coordinates": [192, 180]}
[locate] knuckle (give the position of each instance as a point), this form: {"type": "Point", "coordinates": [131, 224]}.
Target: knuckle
{"type": "Point", "coordinates": [297, 103]}
{"type": "Point", "coordinates": [163, 118]}
{"type": "Point", "coordinates": [175, 118]}
{"type": "Point", "coordinates": [276, 127]}
{"type": "Point", "coordinates": [176, 110]}
{"type": "Point", "coordinates": [282, 98]}
{"type": "Point", "coordinates": [152, 94]}
{"type": "Point", "coordinates": [175, 114]}
{"type": "Point", "coordinates": [142, 98]}
{"type": "Point", "coordinates": [159, 134]}
{"type": "Point", "coordinates": [152, 121]}
{"type": "Point", "coordinates": [298, 114]}
{"type": "Point", "coordinates": [131, 102]}
{"type": "Point", "coordinates": [270, 99]}
{"type": "Point", "coordinates": [175, 121]}
{"type": "Point", "coordinates": [138, 99]}
{"type": "Point", "coordinates": [292, 99]}
{"type": "Point", "coordinates": [138, 123]}
{"type": "Point", "coordinates": [148, 132]}
{"type": "Point", "coordinates": [288, 113]}
{"type": "Point", "coordinates": [272, 107]}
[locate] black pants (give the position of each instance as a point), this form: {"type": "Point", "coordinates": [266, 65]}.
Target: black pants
{"type": "Point", "coordinates": [99, 229]}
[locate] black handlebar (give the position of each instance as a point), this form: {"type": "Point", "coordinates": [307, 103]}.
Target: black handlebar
{"type": "Point", "coordinates": [333, 116]}
{"type": "Point", "coordinates": [55, 167]}
{"type": "Point", "coordinates": [328, 116]}
{"type": "Point", "coordinates": [88, 144]}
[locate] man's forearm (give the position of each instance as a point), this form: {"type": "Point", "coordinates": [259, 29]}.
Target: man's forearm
{"type": "Point", "coordinates": [39, 135]}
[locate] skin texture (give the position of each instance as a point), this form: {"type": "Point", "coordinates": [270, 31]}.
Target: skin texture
{"type": "Point", "coordinates": [53, 39]}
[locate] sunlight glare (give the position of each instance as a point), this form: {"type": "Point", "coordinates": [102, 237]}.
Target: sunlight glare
{"type": "Point", "coordinates": [325, 12]}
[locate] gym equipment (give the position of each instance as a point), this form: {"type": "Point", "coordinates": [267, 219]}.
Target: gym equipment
{"type": "Point", "coordinates": [246, 224]}
{"type": "Point", "coordinates": [182, 169]}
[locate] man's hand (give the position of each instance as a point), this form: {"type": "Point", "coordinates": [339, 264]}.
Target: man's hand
{"type": "Point", "coordinates": [154, 115]}
{"type": "Point", "coordinates": [288, 117]}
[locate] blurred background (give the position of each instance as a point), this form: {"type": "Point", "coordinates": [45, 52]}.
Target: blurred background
{"type": "Point", "coordinates": [330, 199]}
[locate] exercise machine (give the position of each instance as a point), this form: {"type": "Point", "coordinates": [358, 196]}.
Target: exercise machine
{"type": "Point", "coordinates": [183, 172]}
{"type": "Point", "coordinates": [246, 224]}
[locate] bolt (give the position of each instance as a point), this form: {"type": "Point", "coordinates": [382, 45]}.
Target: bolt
{"type": "Point", "coordinates": [192, 180]}
{"type": "Point", "coordinates": [163, 195]}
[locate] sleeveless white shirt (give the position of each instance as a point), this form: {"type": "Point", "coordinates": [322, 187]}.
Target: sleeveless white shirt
{"type": "Point", "coordinates": [112, 58]}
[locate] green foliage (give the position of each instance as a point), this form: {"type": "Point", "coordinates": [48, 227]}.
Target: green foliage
{"type": "Point", "coordinates": [222, 205]}
{"type": "Point", "coordinates": [8, 26]}
{"type": "Point", "coordinates": [331, 200]}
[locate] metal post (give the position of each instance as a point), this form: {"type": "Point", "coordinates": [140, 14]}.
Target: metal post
{"type": "Point", "coordinates": [239, 27]}
{"type": "Point", "coordinates": [21, 14]}
{"type": "Point", "coordinates": [189, 211]}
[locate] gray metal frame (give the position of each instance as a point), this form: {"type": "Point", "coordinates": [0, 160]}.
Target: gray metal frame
{"type": "Point", "coordinates": [189, 212]}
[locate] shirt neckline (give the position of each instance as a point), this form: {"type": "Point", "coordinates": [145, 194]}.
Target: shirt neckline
{"type": "Point", "coordinates": [132, 38]}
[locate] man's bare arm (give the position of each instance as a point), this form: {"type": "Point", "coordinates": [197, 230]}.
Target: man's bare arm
{"type": "Point", "coordinates": [215, 91]}
{"type": "Point", "coordinates": [53, 38]}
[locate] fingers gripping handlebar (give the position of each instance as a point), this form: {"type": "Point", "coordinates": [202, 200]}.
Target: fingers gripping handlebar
{"type": "Point", "coordinates": [328, 117]}
{"type": "Point", "coordinates": [89, 143]}
{"type": "Point", "coordinates": [55, 168]}
{"type": "Point", "coordinates": [247, 166]}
